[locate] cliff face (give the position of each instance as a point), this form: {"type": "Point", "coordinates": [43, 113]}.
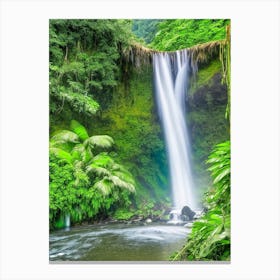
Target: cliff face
{"type": "Point", "coordinates": [130, 117]}
{"type": "Point", "coordinates": [206, 107]}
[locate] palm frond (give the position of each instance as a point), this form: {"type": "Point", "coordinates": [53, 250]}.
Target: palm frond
{"type": "Point", "coordinates": [79, 152]}
{"type": "Point", "coordinates": [98, 170]}
{"type": "Point", "coordinates": [124, 175]}
{"type": "Point", "coordinates": [79, 129]}
{"type": "Point", "coordinates": [101, 141]}
{"type": "Point", "coordinates": [61, 154]}
{"type": "Point", "coordinates": [65, 136]}
{"type": "Point", "coordinates": [104, 186]}
{"type": "Point", "coordinates": [117, 181]}
{"type": "Point", "coordinates": [103, 160]}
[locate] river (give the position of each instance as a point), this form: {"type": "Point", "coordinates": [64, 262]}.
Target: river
{"type": "Point", "coordinates": [117, 242]}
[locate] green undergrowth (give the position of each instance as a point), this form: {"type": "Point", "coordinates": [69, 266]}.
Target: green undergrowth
{"type": "Point", "coordinates": [205, 75]}
{"type": "Point", "coordinates": [210, 237]}
{"type": "Point", "coordinates": [86, 183]}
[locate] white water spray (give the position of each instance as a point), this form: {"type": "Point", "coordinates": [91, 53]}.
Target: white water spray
{"type": "Point", "coordinates": [171, 78]}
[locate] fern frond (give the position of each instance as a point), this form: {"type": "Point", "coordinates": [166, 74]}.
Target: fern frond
{"type": "Point", "coordinates": [101, 141]}
{"type": "Point", "coordinates": [65, 136]}
{"type": "Point", "coordinates": [79, 129]}
{"type": "Point", "coordinates": [98, 170]}
{"type": "Point", "coordinates": [61, 154]}
{"type": "Point", "coordinates": [104, 186]}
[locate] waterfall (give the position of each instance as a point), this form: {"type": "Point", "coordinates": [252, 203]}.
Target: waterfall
{"type": "Point", "coordinates": [67, 220]}
{"type": "Point", "coordinates": [171, 81]}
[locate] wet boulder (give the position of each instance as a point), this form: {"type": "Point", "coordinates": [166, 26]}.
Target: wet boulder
{"type": "Point", "coordinates": [187, 214]}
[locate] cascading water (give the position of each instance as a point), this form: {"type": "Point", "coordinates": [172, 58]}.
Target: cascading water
{"type": "Point", "coordinates": [170, 79]}
{"type": "Point", "coordinates": [67, 220]}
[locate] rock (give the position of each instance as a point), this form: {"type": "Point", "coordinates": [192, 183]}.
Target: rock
{"type": "Point", "coordinates": [148, 221]}
{"type": "Point", "coordinates": [185, 218]}
{"type": "Point", "coordinates": [187, 213]}
{"type": "Point", "coordinates": [174, 215]}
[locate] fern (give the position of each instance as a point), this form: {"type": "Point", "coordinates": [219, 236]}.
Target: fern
{"type": "Point", "coordinates": [100, 141]}
{"type": "Point", "coordinates": [65, 136]}
{"type": "Point", "coordinates": [80, 130]}
{"type": "Point", "coordinates": [97, 182]}
{"type": "Point", "coordinates": [61, 154]}
{"type": "Point", "coordinates": [105, 186]}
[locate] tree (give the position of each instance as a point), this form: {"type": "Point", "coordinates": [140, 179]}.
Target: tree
{"type": "Point", "coordinates": [145, 28]}
{"type": "Point", "coordinates": [84, 59]}
{"type": "Point", "coordinates": [175, 34]}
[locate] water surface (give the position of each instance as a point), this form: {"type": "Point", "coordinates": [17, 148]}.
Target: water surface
{"type": "Point", "coordinates": [117, 242]}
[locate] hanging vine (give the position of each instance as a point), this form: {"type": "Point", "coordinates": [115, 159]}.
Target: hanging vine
{"type": "Point", "coordinates": [225, 55]}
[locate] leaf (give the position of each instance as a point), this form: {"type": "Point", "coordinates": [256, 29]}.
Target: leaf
{"type": "Point", "coordinates": [65, 136]}
{"type": "Point", "coordinates": [104, 186]}
{"type": "Point", "coordinates": [122, 184]}
{"type": "Point", "coordinates": [101, 141]}
{"type": "Point", "coordinates": [100, 171]}
{"type": "Point", "coordinates": [61, 154]}
{"type": "Point", "coordinates": [79, 129]}
{"type": "Point", "coordinates": [222, 175]}
{"type": "Point", "coordinates": [79, 152]}
{"type": "Point", "coordinates": [103, 160]}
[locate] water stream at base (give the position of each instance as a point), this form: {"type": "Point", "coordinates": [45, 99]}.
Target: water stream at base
{"type": "Point", "coordinates": [117, 242]}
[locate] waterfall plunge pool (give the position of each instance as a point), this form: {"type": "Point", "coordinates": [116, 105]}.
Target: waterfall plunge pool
{"type": "Point", "coordinates": [117, 242]}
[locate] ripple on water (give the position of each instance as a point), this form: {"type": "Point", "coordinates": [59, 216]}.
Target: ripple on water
{"type": "Point", "coordinates": [78, 242]}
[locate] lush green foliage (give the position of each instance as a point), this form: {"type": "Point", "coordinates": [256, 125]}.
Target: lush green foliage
{"type": "Point", "coordinates": [210, 236]}
{"type": "Point", "coordinates": [175, 34]}
{"type": "Point", "coordinates": [84, 58]}
{"type": "Point", "coordinates": [90, 82]}
{"type": "Point", "coordinates": [87, 69]}
{"type": "Point", "coordinates": [85, 181]}
{"type": "Point", "coordinates": [145, 28]}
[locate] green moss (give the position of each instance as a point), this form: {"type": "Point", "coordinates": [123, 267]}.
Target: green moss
{"type": "Point", "coordinates": [205, 75]}
{"type": "Point", "coordinates": [206, 118]}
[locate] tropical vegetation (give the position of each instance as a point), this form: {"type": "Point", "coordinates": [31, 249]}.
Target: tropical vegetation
{"type": "Point", "coordinates": [84, 180]}
{"type": "Point", "coordinates": [107, 156]}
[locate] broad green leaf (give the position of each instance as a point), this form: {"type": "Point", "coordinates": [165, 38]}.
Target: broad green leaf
{"type": "Point", "coordinates": [65, 136]}
{"type": "Point", "coordinates": [61, 154]}
{"type": "Point", "coordinates": [79, 129]}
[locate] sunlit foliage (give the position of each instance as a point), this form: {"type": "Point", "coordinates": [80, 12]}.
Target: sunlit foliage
{"type": "Point", "coordinates": [175, 34]}
{"type": "Point", "coordinates": [84, 180]}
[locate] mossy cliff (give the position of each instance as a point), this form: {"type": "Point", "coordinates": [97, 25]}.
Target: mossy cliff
{"type": "Point", "coordinates": [130, 116]}
{"type": "Point", "coordinates": [206, 107]}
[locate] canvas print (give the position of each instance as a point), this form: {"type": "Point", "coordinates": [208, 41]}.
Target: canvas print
{"type": "Point", "coordinates": [139, 140]}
